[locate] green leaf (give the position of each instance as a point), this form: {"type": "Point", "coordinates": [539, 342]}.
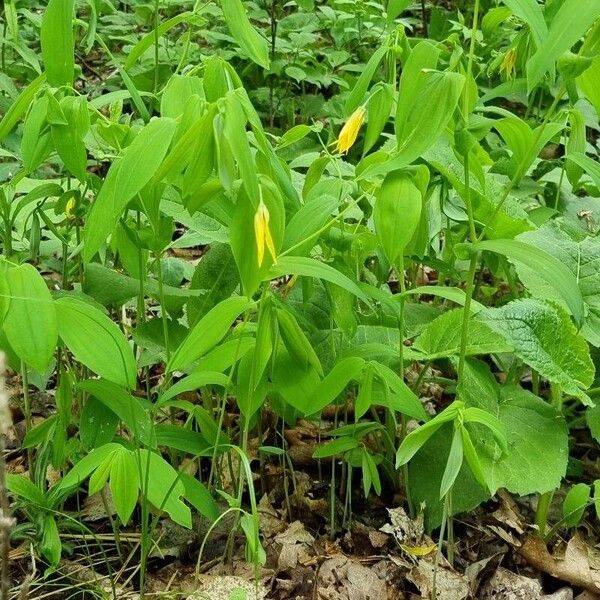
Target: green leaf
{"type": "Point", "coordinates": [530, 11]}
{"type": "Point", "coordinates": [581, 257]}
{"type": "Point", "coordinates": [569, 24]}
{"type": "Point", "coordinates": [337, 446]}
{"type": "Point", "coordinates": [590, 166]}
{"type": "Point", "coordinates": [252, 43]}
{"type": "Point", "coordinates": [454, 463]}
{"type": "Point", "coordinates": [165, 487]}
{"type": "Point", "coordinates": [22, 487]}
{"type": "Point", "coordinates": [56, 37]}
{"type": "Point", "coordinates": [544, 337]}
{"type": "Point", "coordinates": [209, 331]}
{"type": "Point", "coordinates": [575, 503]}
{"type": "Point", "coordinates": [192, 382]}
{"type": "Point", "coordinates": [183, 439]}
{"type": "Point", "coordinates": [51, 546]}
{"type": "Point", "coordinates": [536, 434]}
{"type": "Point", "coordinates": [362, 84]}
{"type": "Point", "coordinates": [413, 442]}
{"type": "Point", "coordinates": [126, 177]}
{"type": "Point", "coordinates": [109, 356]}
{"type": "Point", "coordinates": [30, 323]}
{"type": "Point", "coordinates": [546, 266]}
{"type": "Point", "coordinates": [199, 497]}
{"type": "Point", "coordinates": [334, 383]}
{"type": "Point", "coordinates": [442, 338]}
{"type": "Point", "coordinates": [432, 459]}
{"type": "Point", "coordinates": [395, 7]}
{"type": "Point", "coordinates": [310, 267]}
{"type": "Point", "coordinates": [400, 397]}
{"type": "Point", "coordinates": [397, 213]}
{"type": "Point", "coordinates": [127, 407]}
{"type": "Point", "coordinates": [83, 469]}
{"type": "Point", "coordinates": [124, 483]}
{"type": "Point", "coordinates": [20, 106]}
{"type": "Point", "coordinates": [306, 224]}
{"type": "Point", "coordinates": [379, 108]}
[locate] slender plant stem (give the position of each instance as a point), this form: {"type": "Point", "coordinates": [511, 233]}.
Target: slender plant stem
{"type": "Point", "coordinates": [156, 39]}
{"type": "Point", "coordinates": [27, 411]}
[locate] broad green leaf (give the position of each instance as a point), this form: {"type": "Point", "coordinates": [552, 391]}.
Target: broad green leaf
{"type": "Point", "coordinates": [397, 213]}
{"type": "Point", "coordinates": [56, 37]}
{"type": "Point", "coordinates": [127, 407]}
{"type": "Point", "coordinates": [305, 225]}
{"type": "Point", "coordinates": [295, 340]}
{"type": "Point", "coordinates": [362, 84]}
{"type": "Point", "coordinates": [543, 336]}
{"type": "Point", "coordinates": [395, 7]}
{"type": "Point", "coordinates": [575, 503]}
{"type": "Point", "coordinates": [30, 323]}
{"type": "Point", "coordinates": [530, 11]}
{"type": "Point", "coordinates": [590, 166]}
{"type": "Point", "coordinates": [22, 487]}
{"type": "Point", "coordinates": [588, 83]}
{"type": "Point", "coordinates": [569, 24]}
{"type": "Point", "coordinates": [124, 483]}
{"type": "Point", "coordinates": [36, 142]}
{"type": "Point", "coordinates": [337, 446]}
{"type": "Point", "coordinates": [400, 397]}
{"type": "Point", "coordinates": [310, 267]}
{"type": "Point", "coordinates": [82, 470]}
{"type": "Point", "coordinates": [126, 177]}
{"type": "Point", "coordinates": [546, 266]}
{"type": "Point", "coordinates": [582, 258]}
{"type": "Point", "coordinates": [165, 487]}
{"type": "Point", "coordinates": [379, 108]}
{"type": "Point", "coordinates": [334, 383]}
{"type": "Point", "coordinates": [216, 276]}
{"type": "Point", "coordinates": [442, 338]}
{"type": "Point", "coordinates": [429, 112]}
{"type": "Point", "coordinates": [109, 356]}
{"type": "Point", "coordinates": [199, 497]}
{"type": "Point", "coordinates": [50, 546]}
{"type": "Point", "coordinates": [194, 381]}
{"type": "Point", "coordinates": [208, 331]}
{"type": "Point", "coordinates": [19, 107]}
{"type": "Point", "coordinates": [252, 43]}
{"type": "Point", "coordinates": [524, 143]}
{"type": "Point", "coordinates": [422, 58]}
{"type": "Point", "coordinates": [183, 439]}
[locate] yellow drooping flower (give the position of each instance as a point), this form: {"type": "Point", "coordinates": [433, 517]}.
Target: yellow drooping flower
{"type": "Point", "coordinates": [262, 232]}
{"type": "Point", "coordinates": [350, 130]}
{"type": "Point", "coordinates": [509, 61]}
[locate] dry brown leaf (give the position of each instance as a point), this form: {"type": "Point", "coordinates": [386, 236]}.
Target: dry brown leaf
{"type": "Point", "coordinates": [574, 567]}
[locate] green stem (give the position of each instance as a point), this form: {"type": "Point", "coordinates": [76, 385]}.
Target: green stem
{"type": "Point", "coordinates": [156, 39]}
{"type": "Point", "coordinates": [464, 336]}
{"type": "Point", "coordinates": [163, 314]}
{"type": "Point", "coordinates": [27, 411]}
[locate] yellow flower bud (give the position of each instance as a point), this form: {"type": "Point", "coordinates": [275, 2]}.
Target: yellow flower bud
{"type": "Point", "coordinates": [350, 130]}
{"type": "Point", "coordinates": [262, 233]}
{"type": "Point", "coordinates": [69, 207]}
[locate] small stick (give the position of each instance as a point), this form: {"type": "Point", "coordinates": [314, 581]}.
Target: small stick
{"type": "Point", "coordinates": [6, 520]}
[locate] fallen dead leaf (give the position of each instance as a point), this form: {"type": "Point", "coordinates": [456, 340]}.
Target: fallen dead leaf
{"type": "Point", "coordinates": [573, 567]}
{"type": "Point", "coordinates": [449, 584]}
